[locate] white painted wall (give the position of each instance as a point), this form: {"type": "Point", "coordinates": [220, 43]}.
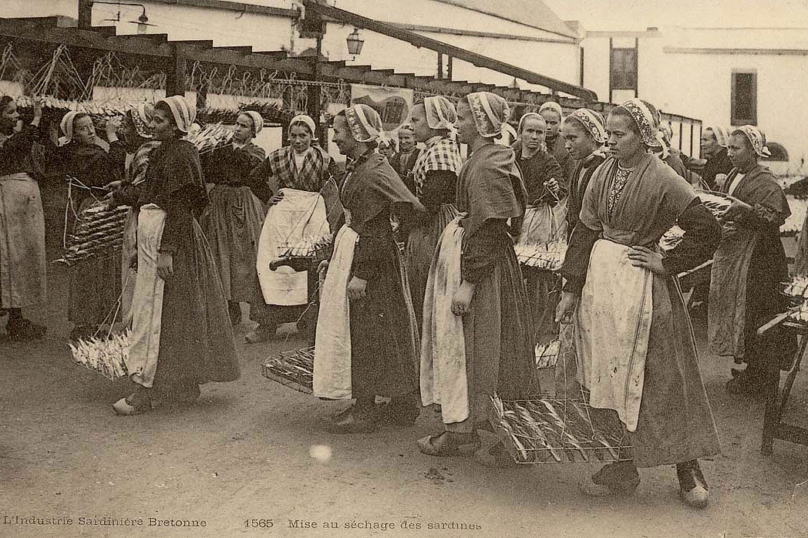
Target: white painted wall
{"type": "Point", "coordinates": [700, 85]}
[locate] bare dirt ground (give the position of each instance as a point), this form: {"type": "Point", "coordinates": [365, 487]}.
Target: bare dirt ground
{"type": "Point", "coordinates": [243, 454]}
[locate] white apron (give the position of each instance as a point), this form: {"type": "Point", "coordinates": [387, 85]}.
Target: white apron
{"type": "Point", "coordinates": [22, 242]}
{"type": "Point", "coordinates": [300, 215]}
{"type": "Point", "coordinates": [443, 345]}
{"type": "Point", "coordinates": [613, 325]}
{"type": "Point", "coordinates": [147, 302]}
{"type": "Point", "coordinates": [332, 347]}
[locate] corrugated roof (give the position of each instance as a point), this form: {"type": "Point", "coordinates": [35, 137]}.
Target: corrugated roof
{"type": "Point", "coordinates": [533, 13]}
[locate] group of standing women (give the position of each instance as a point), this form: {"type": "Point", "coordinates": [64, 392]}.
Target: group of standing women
{"type": "Point", "coordinates": [636, 357]}
{"type": "Point", "coordinates": [451, 322]}
{"type": "Point", "coordinates": [192, 242]}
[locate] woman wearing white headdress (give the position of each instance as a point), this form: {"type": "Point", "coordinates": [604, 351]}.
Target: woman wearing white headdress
{"type": "Point", "coordinates": [434, 176]}
{"type": "Point", "coordinates": [477, 328]}
{"type": "Point", "coordinates": [304, 206]}
{"type": "Point", "coordinates": [367, 342]}
{"type": "Point", "coordinates": [181, 334]}
{"type": "Point", "coordinates": [136, 140]}
{"type": "Point", "coordinates": [714, 143]}
{"type": "Point", "coordinates": [95, 284]}
{"type": "Point", "coordinates": [232, 222]}
{"type": "Point", "coordinates": [633, 338]}
{"type": "Point", "coordinates": [748, 268]}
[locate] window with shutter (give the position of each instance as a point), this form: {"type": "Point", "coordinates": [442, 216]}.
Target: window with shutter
{"type": "Point", "coordinates": [744, 98]}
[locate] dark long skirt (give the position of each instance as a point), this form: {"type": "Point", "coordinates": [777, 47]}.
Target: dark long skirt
{"type": "Point", "coordinates": [419, 253]}
{"type": "Point", "coordinates": [767, 270]}
{"type": "Point", "coordinates": [675, 421]}
{"type": "Point", "coordinates": [384, 349]}
{"type": "Point", "coordinates": [498, 335]}
{"type": "Point", "coordinates": [196, 341]}
{"type": "Point", "coordinates": [232, 224]}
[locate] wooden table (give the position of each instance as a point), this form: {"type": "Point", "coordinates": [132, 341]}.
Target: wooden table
{"type": "Point", "coordinates": [773, 425]}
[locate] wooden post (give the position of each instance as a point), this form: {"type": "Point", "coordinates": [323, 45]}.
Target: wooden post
{"type": "Point", "coordinates": [440, 66]}
{"type": "Point", "coordinates": [449, 68]}
{"type": "Point", "coordinates": [313, 102]}
{"type": "Point", "coordinates": [175, 74]}
{"type": "Point", "coordinates": [85, 14]}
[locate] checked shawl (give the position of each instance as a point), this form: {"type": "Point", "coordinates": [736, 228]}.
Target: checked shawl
{"type": "Point", "coordinates": [140, 163]}
{"type": "Point", "coordinates": [440, 154]}
{"type": "Point", "coordinates": [311, 176]}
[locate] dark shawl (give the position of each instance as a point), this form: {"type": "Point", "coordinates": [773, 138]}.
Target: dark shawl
{"type": "Point", "coordinates": [373, 187]}
{"type": "Point", "coordinates": [175, 179]}
{"type": "Point", "coordinates": [490, 187]}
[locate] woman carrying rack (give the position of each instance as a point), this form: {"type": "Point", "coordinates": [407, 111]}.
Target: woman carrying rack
{"type": "Point", "coordinates": [367, 341]}
{"type": "Point", "coordinates": [635, 345]}
{"type": "Point", "coordinates": [477, 337]}
{"type": "Point", "coordinates": [181, 332]}
{"type": "Point", "coordinates": [545, 217]}
{"type": "Point", "coordinates": [137, 142]}
{"type": "Point", "coordinates": [95, 283]}
{"type": "Point", "coordinates": [305, 206]}
{"type": "Point", "coordinates": [749, 267]}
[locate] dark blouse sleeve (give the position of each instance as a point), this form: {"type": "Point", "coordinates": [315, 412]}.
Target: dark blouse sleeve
{"type": "Point", "coordinates": [117, 154]}
{"type": "Point", "coordinates": [482, 250]}
{"type": "Point", "coordinates": [185, 199]}
{"type": "Point", "coordinates": [372, 247]}
{"type": "Point", "coordinates": [259, 180]}
{"type": "Point", "coordinates": [701, 239]}
{"type": "Point", "coordinates": [761, 218]}
{"type": "Point", "coordinates": [552, 170]}
{"type": "Point", "coordinates": [22, 141]}
{"type": "Point", "coordinates": [576, 261]}
{"type": "Point", "coordinates": [128, 194]}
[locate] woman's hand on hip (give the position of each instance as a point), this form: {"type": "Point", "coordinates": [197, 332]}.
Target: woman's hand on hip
{"type": "Point", "coordinates": [357, 288]}
{"type": "Point", "coordinates": [165, 265]}
{"type": "Point", "coordinates": [647, 259]}
{"type": "Point", "coordinates": [566, 307]}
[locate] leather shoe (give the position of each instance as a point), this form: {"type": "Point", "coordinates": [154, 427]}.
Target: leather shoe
{"type": "Point", "coordinates": [693, 488]}
{"type": "Point", "coordinates": [619, 478]}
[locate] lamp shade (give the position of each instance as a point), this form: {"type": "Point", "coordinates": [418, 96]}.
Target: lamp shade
{"type": "Point", "coordinates": [355, 43]}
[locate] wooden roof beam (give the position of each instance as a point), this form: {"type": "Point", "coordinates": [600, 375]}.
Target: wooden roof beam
{"type": "Point", "coordinates": [72, 37]}
{"type": "Point", "coordinates": [273, 54]}
{"type": "Point", "coordinates": [108, 31]}
{"type": "Point", "coordinates": [237, 48]}
{"type": "Point", "coordinates": [198, 43]}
